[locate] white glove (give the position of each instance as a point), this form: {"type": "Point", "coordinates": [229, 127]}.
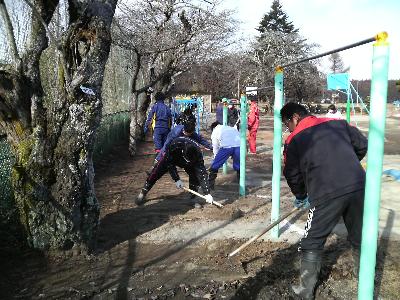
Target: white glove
{"type": "Point", "coordinates": [179, 184]}
{"type": "Point", "coordinates": [209, 198]}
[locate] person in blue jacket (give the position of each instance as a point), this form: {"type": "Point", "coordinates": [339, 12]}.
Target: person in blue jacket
{"type": "Point", "coordinates": [159, 118]}
{"type": "Point", "coordinates": [185, 153]}
{"type": "Point", "coordinates": [220, 111]}
{"type": "Point", "coordinates": [187, 128]}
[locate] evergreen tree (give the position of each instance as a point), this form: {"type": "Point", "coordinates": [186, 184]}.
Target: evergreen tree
{"type": "Point", "coordinates": [336, 63]}
{"type": "Point", "coordinates": [276, 20]}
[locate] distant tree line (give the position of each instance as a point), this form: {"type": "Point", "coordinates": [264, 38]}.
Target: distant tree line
{"type": "Point", "coordinates": [364, 89]}
{"type": "Point", "coordinates": [279, 42]}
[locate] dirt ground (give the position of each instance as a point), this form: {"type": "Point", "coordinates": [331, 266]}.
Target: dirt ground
{"type": "Point", "coordinates": [168, 249]}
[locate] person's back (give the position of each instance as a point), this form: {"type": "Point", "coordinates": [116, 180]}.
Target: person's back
{"type": "Point", "coordinates": [229, 136]}
{"type": "Point", "coordinates": [233, 116]}
{"type": "Point", "coordinates": [333, 112]}
{"type": "Point", "coordinates": [187, 113]}
{"type": "Point", "coordinates": [185, 153]}
{"type": "Point", "coordinates": [159, 118]}
{"type": "Point", "coordinates": [162, 115]}
{"type": "Point", "coordinates": [185, 129]}
{"type": "Point", "coordinates": [219, 113]}
{"type": "Point", "coordinates": [323, 171]}
{"type": "Point", "coordinates": [226, 143]}
{"type": "Point", "coordinates": [325, 148]}
{"type": "Point", "coordinates": [253, 120]}
{"type": "Point", "coordinates": [176, 152]}
{"type": "Point", "coordinates": [181, 152]}
{"type": "Point", "coordinates": [254, 115]}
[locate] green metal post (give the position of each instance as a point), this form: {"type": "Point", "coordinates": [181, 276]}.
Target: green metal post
{"type": "Point", "coordinates": [276, 159]}
{"type": "Point", "coordinates": [243, 145]}
{"type": "Point", "coordinates": [376, 136]}
{"type": "Point", "coordinates": [348, 108]}
{"type": "Point", "coordinates": [225, 122]}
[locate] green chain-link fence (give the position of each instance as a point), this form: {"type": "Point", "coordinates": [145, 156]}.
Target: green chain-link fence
{"type": "Point", "coordinates": [114, 129]}
{"type": "Point", "coordinates": [6, 161]}
{"type": "Point", "coordinates": [9, 226]}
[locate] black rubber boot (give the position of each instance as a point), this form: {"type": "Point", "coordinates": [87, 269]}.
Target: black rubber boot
{"type": "Point", "coordinates": [238, 176]}
{"type": "Point", "coordinates": [309, 271]}
{"type": "Point", "coordinates": [356, 261]}
{"type": "Point", "coordinates": [211, 178]}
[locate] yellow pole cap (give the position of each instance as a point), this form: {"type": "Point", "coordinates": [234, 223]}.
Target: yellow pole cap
{"type": "Point", "coordinates": [381, 38]}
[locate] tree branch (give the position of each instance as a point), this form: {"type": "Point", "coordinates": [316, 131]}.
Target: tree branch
{"type": "Point", "coordinates": [10, 34]}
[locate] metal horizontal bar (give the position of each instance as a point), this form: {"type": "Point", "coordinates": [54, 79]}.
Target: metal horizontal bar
{"type": "Point", "coordinates": [261, 88]}
{"type": "Point", "coordinates": [366, 41]}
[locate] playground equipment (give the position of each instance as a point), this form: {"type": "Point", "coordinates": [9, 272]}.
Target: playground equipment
{"type": "Point", "coordinates": [197, 105]}
{"type": "Point", "coordinates": [341, 82]}
{"type": "Point", "coordinates": [379, 85]}
{"type": "Point", "coordinates": [243, 140]}
{"type": "Point", "coordinates": [225, 122]}
{"type": "Point", "coordinates": [243, 145]}
{"type": "Point", "coordinates": [179, 105]}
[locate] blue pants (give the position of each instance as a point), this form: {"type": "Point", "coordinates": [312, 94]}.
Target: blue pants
{"type": "Point", "coordinates": [159, 137]}
{"type": "Point", "coordinates": [223, 155]}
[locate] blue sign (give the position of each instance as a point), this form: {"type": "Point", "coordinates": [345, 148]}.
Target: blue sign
{"type": "Point", "coordinates": [338, 81]}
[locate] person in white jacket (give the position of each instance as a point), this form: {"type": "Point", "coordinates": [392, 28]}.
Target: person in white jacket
{"type": "Point", "coordinates": [333, 112]}
{"type": "Point", "coordinates": [226, 143]}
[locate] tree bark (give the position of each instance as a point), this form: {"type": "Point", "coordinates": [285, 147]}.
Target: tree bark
{"type": "Point", "coordinates": [51, 120]}
{"type": "Point", "coordinates": [140, 103]}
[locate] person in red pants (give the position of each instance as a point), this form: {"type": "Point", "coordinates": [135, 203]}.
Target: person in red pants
{"type": "Point", "coordinates": [253, 123]}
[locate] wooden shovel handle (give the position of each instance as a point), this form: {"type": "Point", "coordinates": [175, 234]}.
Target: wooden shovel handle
{"type": "Point", "coordinates": [201, 196]}
{"type": "Point", "coordinates": [270, 226]}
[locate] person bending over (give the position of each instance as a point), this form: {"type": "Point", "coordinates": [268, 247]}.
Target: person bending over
{"type": "Point", "coordinates": [181, 152]}
{"type": "Point", "coordinates": [323, 170]}
{"type": "Point", "coordinates": [226, 143]}
{"type": "Point", "coordinates": [187, 128]}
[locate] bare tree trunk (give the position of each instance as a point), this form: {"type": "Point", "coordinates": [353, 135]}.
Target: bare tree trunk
{"type": "Point", "coordinates": [51, 120]}
{"type": "Point", "coordinates": [140, 104]}
{"type": "Point", "coordinates": [133, 126]}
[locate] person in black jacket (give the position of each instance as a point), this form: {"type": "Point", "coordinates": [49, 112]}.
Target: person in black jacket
{"type": "Point", "coordinates": [233, 116]}
{"type": "Point", "coordinates": [323, 170]}
{"type": "Point", "coordinates": [185, 153]}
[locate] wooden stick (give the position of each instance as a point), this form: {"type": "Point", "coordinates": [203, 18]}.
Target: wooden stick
{"type": "Point", "coordinates": [272, 225]}
{"type": "Point", "coordinates": [201, 196]}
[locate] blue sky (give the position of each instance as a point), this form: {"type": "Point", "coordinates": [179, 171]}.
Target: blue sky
{"type": "Point", "coordinates": [333, 24]}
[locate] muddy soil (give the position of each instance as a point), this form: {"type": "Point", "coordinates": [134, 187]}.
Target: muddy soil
{"type": "Point", "coordinates": [168, 249]}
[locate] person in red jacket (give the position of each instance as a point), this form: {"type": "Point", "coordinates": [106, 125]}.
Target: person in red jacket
{"type": "Point", "coordinates": [253, 123]}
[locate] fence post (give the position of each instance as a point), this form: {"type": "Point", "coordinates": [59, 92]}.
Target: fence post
{"type": "Point", "coordinates": [198, 115]}
{"type": "Point", "coordinates": [243, 145]}
{"type": "Point", "coordinates": [225, 122]}
{"type": "Point", "coordinates": [376, 140]}
{"type": "Point", "coordinates": [348, 107]}
{"type": "Point", "coordinates": [276, 160]}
